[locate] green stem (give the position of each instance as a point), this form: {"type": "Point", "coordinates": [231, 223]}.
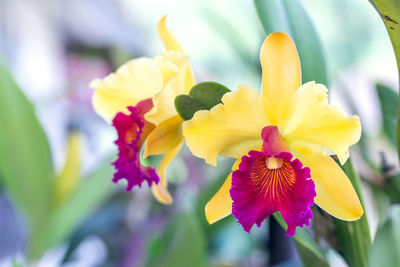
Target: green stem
{"type": "Point", "coordinates": [354, 237]}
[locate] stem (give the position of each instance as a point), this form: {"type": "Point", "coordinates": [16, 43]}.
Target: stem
{"type": "Point", "coordinates": [354, 237]}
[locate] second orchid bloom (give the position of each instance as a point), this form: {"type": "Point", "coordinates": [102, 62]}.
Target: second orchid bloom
{"type": "Point", "coordinates": [282, 140]}
{"type": "Point", "coordinates": [139, 101]}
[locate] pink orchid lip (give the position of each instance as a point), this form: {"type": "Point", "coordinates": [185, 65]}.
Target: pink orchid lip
{"type": "Point", "coordinates": [132, 130]}
{"type": "Point", "coordinates": [268, 181]}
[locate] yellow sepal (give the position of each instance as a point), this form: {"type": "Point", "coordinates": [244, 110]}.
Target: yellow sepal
{"type": "Point", "coordinates": [335, 193]}
{"type": "Point", "coordinates": [220, 205]}
{"type": "Point", "coordinates": [160, 191]}
{"type": "Point", "coordinates": [168, 39]}
{"type": "Point", "coordinates": [281, 74]}
{"type": "Point", "coordinates": [164, 137]}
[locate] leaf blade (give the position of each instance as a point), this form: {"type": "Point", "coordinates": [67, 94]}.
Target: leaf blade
{"type": "Point", "coordinates": [25, 158]}
{"type": "Point", "coordinates": [389, 11]}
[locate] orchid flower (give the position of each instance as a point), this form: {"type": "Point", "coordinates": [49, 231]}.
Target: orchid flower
{"type": "Point", "coordinates": [139, 101]}
{"type": "Point", "coordinates": [282, 140]}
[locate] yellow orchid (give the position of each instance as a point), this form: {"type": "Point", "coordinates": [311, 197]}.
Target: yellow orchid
{"type": "Point", "coordinates": [139, 100]}
{"type": "Point", "coordinates": [264, 132]}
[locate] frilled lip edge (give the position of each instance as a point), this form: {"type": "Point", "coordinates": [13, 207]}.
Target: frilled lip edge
{"type": "Point", "coordinates": [132, 130]}
{"type": "Point", "coordinates": [257, 191]}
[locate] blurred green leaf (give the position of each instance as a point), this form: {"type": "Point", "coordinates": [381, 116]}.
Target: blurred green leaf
{"type": "Point", "coordinates": [389, 10]}
{"type": "Point", "coordinates": [382, 203]}
{"type": "Point", "coordinates": [289, 16]}
{"type": "Point", "coordinates": [389, 101]}
{"type": "Point", "coordinates": [308, 257]}
{"type": "Point", "coordinates": [77, 207]}
{"type": "Point", "coordinates": [182, 244]}
{"type": "Point", "coordinates": [16, 263]}
{"type": "Point", "coordinates": [354, 237]}
{"type": "Point", "coordinates": [392, 188]}
{"type": "Point", "coordinates": [311, 254]}
{"type": "Point", "coordinates": [231, 34]}
{"type": "Point", "coordinates": [202, 96]}
{"type": "Point", "coordinates": [25, 159]}
{"type": "Point", "coordinates": [385, 250]}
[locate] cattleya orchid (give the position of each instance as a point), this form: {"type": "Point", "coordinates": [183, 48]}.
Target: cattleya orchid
{"type": "Point", "coordinates": [139, 101]}
{"type": "Point", "coordinates": [282, 140]}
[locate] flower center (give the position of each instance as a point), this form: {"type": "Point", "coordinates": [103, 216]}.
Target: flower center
{"type": "Point", "coordinates": [132, 134]}
{"type": "Point", "coordinates": [273, 163]}
{"type": "Point", "coordinates": [270, 180]}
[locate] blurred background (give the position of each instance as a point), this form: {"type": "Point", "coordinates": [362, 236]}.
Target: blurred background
{"type": "Point", "coordinates": [73, 215]}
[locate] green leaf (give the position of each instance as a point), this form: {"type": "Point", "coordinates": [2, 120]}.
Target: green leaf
{"type": "Point", "coordinates": [25, 159]}
{"type": "Point", "coordinates": [354, 237]}
{"type": "Point", "coordinates": [187, 106]}
{"type": "Point", "coordinates": [182, 244]}
{"type": "Point", "coordinates": [289, 16]}
{"type": "Point", "coordinates": [386, 247]}
{"type": "Point", "coordinates": [389, 101]}
{"type": "Point", "coordinates": [202, 96]}
{"type": "Point", "coordinates": [16, 263]}
{"type": "Point", "coordinates": [310, 252]}
{"type": "Point", "coordinates": [77, 207]}
{"type": "Point", "coordinates": [389, 10]}
{"type": "Point", "coordinates": [208, 94]}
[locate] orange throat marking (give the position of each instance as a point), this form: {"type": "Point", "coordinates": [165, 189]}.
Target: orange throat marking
{"type": "Point", "coordinates": [274, 177]}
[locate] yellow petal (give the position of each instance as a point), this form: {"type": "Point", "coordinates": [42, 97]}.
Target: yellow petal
{"type": "Point", "coordinates": [168, 39]}
{"type": "Point", "coordinates": [318, 127]}
{"type": "Point", "coordinates": [230, 129]}
{"type": "Point", "coordinates": [281, 73]}
{"type": "Point", "coordinates": [160, 191]}
{"type": "Point", "coordinates": [171, 44]}
{"type": "Point", "coordinates": [220, 205]}
{"type": "Point", "coordinates": [132, 82]}
{"type": "Point", "coordinates": [185, 80]}
{"type": "Point", "coordinates": [335, 193]}
{"type": "Point", "coordinates": [168, 69]}
{"type": "Point", "coordinates": [68, 180]}
{"type": "Point", "coordinates": [164, 107]}
{"type": "Point", "coordinates": [164, 137]}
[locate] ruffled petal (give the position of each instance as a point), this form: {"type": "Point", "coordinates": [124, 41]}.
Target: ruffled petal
{"type": "Point", "coordinates": [160, 191]}
{"type": "Point", "coordinates": [317, 127]}
{"type": "Point", "coordinates": [258, 191]}
{"type": "Point", "coordinates": [230, 129]}
{"type": "Point", "coordinates": [281, 74]}
{"type": "Point", "coordinates": [134, 81]}
{"type": "Point", "coordinates": [335, 193]}
{"type": "Point", "coordinates": [132, 130]}
{"type": "Point", "coordinates": [220, 205]}
{"type": "Point", "coordinates": [164, 137]}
